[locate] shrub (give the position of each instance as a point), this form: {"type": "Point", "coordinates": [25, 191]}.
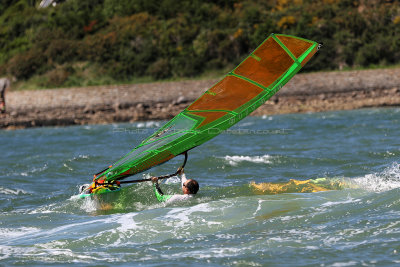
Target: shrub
{"type": "Point", "coordinates": [24, 65]}
{"type": "Point", "coordinates": [62, 50]}
{"type": "Point", "coordinates": [160, 69]}
{"type": "Point", "coordinates": [56, 77]}
{"type": "Point", "coordinates": [286, 22]}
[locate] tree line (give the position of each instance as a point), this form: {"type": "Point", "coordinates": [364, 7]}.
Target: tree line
{"type": "Point", "coordinates": [75, 42]}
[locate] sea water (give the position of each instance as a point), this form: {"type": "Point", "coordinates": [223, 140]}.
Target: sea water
{"type": "Point", "coordinates": [43, 222]}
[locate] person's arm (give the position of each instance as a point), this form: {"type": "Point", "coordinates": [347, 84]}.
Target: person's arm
{"type": "Point", "coordinates": [183, 176]}
{"type": "Point", "coordinates": [158, 192]}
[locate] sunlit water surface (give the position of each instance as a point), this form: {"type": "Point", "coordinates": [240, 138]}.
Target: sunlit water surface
{"type": "Point", "coordinates": [43, 222]}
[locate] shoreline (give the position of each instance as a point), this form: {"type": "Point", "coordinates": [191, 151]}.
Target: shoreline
{"type": "Point", "coordinates": [313, 92]}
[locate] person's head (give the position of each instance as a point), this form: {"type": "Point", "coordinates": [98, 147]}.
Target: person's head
{"type": "Point", "coordinates": [191, 186]}
{"type": "Point", "coordinates": [83, 188]}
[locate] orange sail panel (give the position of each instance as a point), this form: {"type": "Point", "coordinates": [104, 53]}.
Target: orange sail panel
{"type": "Point", "coordinates": [228, 94]}
{"type": "Point", "coordinates": [296, 46]}
{"type": "Point", "coordinates": [270, 61]}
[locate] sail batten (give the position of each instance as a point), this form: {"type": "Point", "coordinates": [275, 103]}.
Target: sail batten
{"type": "Point", "coordinates": [257, 78]}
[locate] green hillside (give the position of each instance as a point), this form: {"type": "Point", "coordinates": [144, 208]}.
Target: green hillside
{"type": "Point", "coordinates": [79, 43]}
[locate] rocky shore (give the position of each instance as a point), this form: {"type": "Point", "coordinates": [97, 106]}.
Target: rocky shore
{"type": "Point", "coordinates": [314, 92]}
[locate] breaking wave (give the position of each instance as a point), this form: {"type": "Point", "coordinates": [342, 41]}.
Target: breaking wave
{"type": "Point", "coordinates": [235, 160]}
{"type": "Point", "coordinates": [386, 180]}
{"type": "Point", "coordinates": [8, 191]}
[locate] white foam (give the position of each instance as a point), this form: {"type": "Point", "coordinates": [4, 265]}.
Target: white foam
{"type": "Point", "coordinates": [260, 201]}
{"type": "Point", "coordinates": [148, 124]}
{"type": "Point", "coordinates": [265, 117]}
{"type": "Point", "coordinates": [235, 160]}
{"type": "Point", "coordinates": [90, 205]}
{"type": "Point", "coordinates": [207, 253]}
{"type": "Point", "coordinates": [69, 228]}
{"type": "Point", "coordinates": [348, 200]}
{"type": "Point", "coordinates": [79, 157]}
{"type": "Point", "coordinates": [8, 251]}
{"type": "Point", "coordinates": [7, 233]}
{"type": "Point", "coordinates": [68, 167]}
{"type": "Point", "coordinates": [349, 263]}
{"type": "Point", "coordinates": [127, 223]}
{"type": "Point", "coordinates": [182, 219]}
{"type": "Point", "coordinates": [173, 180]}
{"type": "Point", "coordinates": [379, 182]}
{"type": "Point", "coordinates": [33, 170]}
{"type": "Point", "coordinates": [8, 191]}
{"type": "Point", "coordinates": [50, 255]}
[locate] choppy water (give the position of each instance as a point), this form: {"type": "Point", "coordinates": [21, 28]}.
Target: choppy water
{"type": "Point", "coordinates": [42, 222]}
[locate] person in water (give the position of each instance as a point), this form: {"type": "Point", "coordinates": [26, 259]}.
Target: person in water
{"type": "Point", "coordinates": [4, 85]}
{"type": "Point", "coordinates": [189, 189]}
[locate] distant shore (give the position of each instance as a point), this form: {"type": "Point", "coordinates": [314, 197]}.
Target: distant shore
{"type": "Point", "coordinates": [313, 92]}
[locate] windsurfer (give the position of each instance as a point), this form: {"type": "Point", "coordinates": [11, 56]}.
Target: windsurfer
{"type": "Point", "coordinates": [189, 189]}
{"type": "Point", "coordinates": [85, 189]}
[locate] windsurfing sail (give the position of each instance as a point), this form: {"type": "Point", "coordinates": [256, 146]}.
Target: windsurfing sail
{"type": "Point", "coordinates": [239, 93]}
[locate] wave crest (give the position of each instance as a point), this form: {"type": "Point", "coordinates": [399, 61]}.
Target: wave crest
{"type": "Point", "coordinates": [8, 191]}
{"type": "Point", "coordinates": [387, 180]}
{"type": "Point", "coordinates": [235, 160]}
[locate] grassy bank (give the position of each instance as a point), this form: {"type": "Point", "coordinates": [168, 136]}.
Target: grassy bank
{"type": "Point", "coordinates": [37, 83]}
{"type": "Point", "coordinates": [89, 77]}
